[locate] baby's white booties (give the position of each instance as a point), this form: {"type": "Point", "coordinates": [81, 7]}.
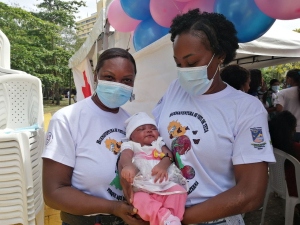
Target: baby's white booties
{"type": "Point", "coordinates": [172, 220]}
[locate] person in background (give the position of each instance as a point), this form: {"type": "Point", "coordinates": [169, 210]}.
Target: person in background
{"type": "Point", "coordinates": [289, 98]}
{"type": "Point", "coordinates": [262, 90]}
{"type": "Point", "coordinates": [237, 77]}
{"type": "Point", "coordinates": [256, 82]}
{"type": "Point", "coordinates": [269, 97]}
{"type": "Point", "coordinates": [282, 129]}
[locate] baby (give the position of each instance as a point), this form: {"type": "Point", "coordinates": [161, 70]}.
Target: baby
{"type": "Point", "coordinates": [160, 190]}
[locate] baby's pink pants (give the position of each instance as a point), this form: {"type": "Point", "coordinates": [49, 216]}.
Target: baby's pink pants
{"type": "Point", "coordinates": [156, 208]}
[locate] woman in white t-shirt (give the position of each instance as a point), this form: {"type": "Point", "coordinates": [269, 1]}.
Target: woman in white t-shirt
{"type": "Point", "coordinates": [269, 96]}
{"type": "Point", "coordinates": [82, 146]}
{"type": "Point", "coordinates": [289, 98]}
{"type": "Point", "coordinates": [219, 135]}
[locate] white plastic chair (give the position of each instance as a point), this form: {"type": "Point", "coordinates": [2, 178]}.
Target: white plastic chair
{"type": "Point", "coordinates": [278, 184]}
{"type": "Point", "coordinates": [31, 145]}
{"type": "Point", "coordinates": [13, 191]}
{"type": "Point", "coordinates": [4, 51]}
{"type": "Point", "coordinates": [21, 101]}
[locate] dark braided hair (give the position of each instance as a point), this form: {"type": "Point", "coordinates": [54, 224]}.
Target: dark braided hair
{"type": "Point", "coordinates": [281, 127]}
{"type": "Point", "coordinates": [220, 32]}
{"type": "Point", "coordinates": [114, 53]}
{"type": "Point", "coordinates": [235, 75]}
{"type": "Point", "coordinates": [295, 75]}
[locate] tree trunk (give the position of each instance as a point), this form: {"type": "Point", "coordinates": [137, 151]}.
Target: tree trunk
{"type": "Point", "coordinates": [57, 94]}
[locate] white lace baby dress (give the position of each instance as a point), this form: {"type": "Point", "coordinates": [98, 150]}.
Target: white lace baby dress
{"type": "Point", "coordinates": [144, 159]}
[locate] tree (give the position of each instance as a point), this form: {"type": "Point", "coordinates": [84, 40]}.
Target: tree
{"type": "Point", "coordinates": [29, 37]}
{"type": "Point", "coordinates": [60, 13]}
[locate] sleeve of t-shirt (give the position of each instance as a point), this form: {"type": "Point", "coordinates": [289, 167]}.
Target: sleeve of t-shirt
{"type": "Point", "coordinates": [59, 144]}
{"type": "Point", "coordinates": [279, 100]}
{"type": "Point", "coordinates": [126, 145]}
{"type": "Point", "coordinates": [252, 139]}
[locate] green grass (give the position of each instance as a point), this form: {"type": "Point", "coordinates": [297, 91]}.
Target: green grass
{"type": "Point", "coordinates": [50, 107]}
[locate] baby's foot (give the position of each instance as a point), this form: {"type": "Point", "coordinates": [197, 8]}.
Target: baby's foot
{"type": "Point", "coordinates": [172, 220]}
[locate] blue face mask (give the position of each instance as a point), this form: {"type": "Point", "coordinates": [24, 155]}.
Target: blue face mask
{"type": "Point", "coordinates": [288, 86]}
{"type": "Point", "coordinates": [258, 89]}
{"type": "Point", "coordinates": [275, 88]}
{"type": "Point", "coordinates": [194, 80]}
{"type": "Point", "coordinates": [113, 94]}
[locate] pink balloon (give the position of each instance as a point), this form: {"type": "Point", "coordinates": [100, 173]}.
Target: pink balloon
{"type": "Point", "coordinates": [203, 5]}
{"type": "Point", "coordinates": [183, 0]}
{"type": "Point", "coordinates": [163, 12]}
{"type": "Point", "coordinates": [280, 9]}
{"type": "Point", "coordinates": [119, 19]}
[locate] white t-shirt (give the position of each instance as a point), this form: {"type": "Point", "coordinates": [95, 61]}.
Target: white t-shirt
{"type": "Point", "coordinates": [211, 133]}
{"type": "Point", "coordinates": [88, 139]}
{"type": "Point", "coordinates": [288, 98]}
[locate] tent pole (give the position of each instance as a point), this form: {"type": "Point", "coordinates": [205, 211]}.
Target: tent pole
{"type": "Point", "coordinates": [70, 86]}
{"type": "Point", "coordinates": [105, 39]}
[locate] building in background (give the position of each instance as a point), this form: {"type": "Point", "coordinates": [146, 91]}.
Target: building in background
{"type": "Point", "coordinates": [84, 26]}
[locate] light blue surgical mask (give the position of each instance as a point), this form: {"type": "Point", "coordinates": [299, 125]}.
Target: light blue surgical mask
{"type": "Point", "coordinates": [275, 88]}
{"type": "Point", "coordinates": [288, 86]}
{"type": "Point", "coordinates": [194, 80]}
{"type": "Point", "coordinates": [258, 89]}
{"type": "Point", "coordinates": [113, 94]}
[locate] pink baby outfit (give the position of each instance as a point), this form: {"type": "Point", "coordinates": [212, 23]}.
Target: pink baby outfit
{"type": "Point", "coordinates": [160, 203]}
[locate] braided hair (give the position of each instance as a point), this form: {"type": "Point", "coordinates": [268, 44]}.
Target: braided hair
{"type": "Point", "coordinates": [220, 32]}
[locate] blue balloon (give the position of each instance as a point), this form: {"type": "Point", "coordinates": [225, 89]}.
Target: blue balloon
{"type": "Point", "coordinates": [249, 21]}
{"type": "Point", "coordinates": [147, 32]}
{"type": "Point", "coordinates": [137, 9]}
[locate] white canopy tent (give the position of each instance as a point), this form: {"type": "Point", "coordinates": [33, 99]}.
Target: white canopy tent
{"type": "Point", "coordinates": [156, 67]}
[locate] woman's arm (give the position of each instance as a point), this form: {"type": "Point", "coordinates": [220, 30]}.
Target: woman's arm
{"type": "Point", "coordinates": [247, 195]}
{"type": "Point", "coordinates": [271, 110]}
{"type": "Point", "coordinates": [59, 194]}
{"type": "Point", "coordinates": [279, 108]}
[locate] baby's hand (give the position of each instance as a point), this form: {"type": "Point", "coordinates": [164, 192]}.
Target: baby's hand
{"type": "Point", "coordinates": [161, 172]}
{"type": "Point", "coordinates": [128, 173]}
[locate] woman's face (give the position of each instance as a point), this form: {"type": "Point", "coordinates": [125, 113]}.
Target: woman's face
{"type": "Point", "coordinates": [189, 51]}
{"type": "Point", "coordinates": [118, 70]}
{"type": "Point", "coordinates": [276, 84]}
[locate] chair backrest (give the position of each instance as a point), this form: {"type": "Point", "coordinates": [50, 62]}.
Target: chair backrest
{"type": "Point", "coordinates": [4, 51]}
{"type": "Point", "coordinates": [277, 175]}
{"type": "Point", "coordinates": [21, 101]}
{"type": "Point", "coordinates": [4, 71]}
{"type": "Point", "coordinates": [282, 156]}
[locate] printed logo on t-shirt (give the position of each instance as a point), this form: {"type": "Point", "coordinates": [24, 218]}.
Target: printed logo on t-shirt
{"type": "Point", "coordinates": [257, 137]}
{"type": "Point", "coordinates": [49, 138]}
{"type": "Point", "coordinates": [111, 144]}
{"type": "Point", "coordinates": [182, 144]}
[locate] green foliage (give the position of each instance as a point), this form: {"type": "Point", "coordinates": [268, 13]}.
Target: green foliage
{"type": "Point", "coordinates": [59, 12]}
{"type": "Point", "coordinates": [279, 71]}
{"type": "Point", "coordinates": [42, 42]}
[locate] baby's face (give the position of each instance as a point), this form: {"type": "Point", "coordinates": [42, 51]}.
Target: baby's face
{"type": "Point", "coordinates": [145, 134]}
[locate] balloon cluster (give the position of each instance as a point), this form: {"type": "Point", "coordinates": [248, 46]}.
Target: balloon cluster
{"type": "Point", "coordinates": [149, 20]}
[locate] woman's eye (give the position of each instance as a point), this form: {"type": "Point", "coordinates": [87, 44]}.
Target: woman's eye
{"type": "Point", "coordinates": [192, 64]}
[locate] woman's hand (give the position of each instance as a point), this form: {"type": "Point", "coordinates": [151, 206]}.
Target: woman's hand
{"type": "Point", "coordinates": [127, 212]}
